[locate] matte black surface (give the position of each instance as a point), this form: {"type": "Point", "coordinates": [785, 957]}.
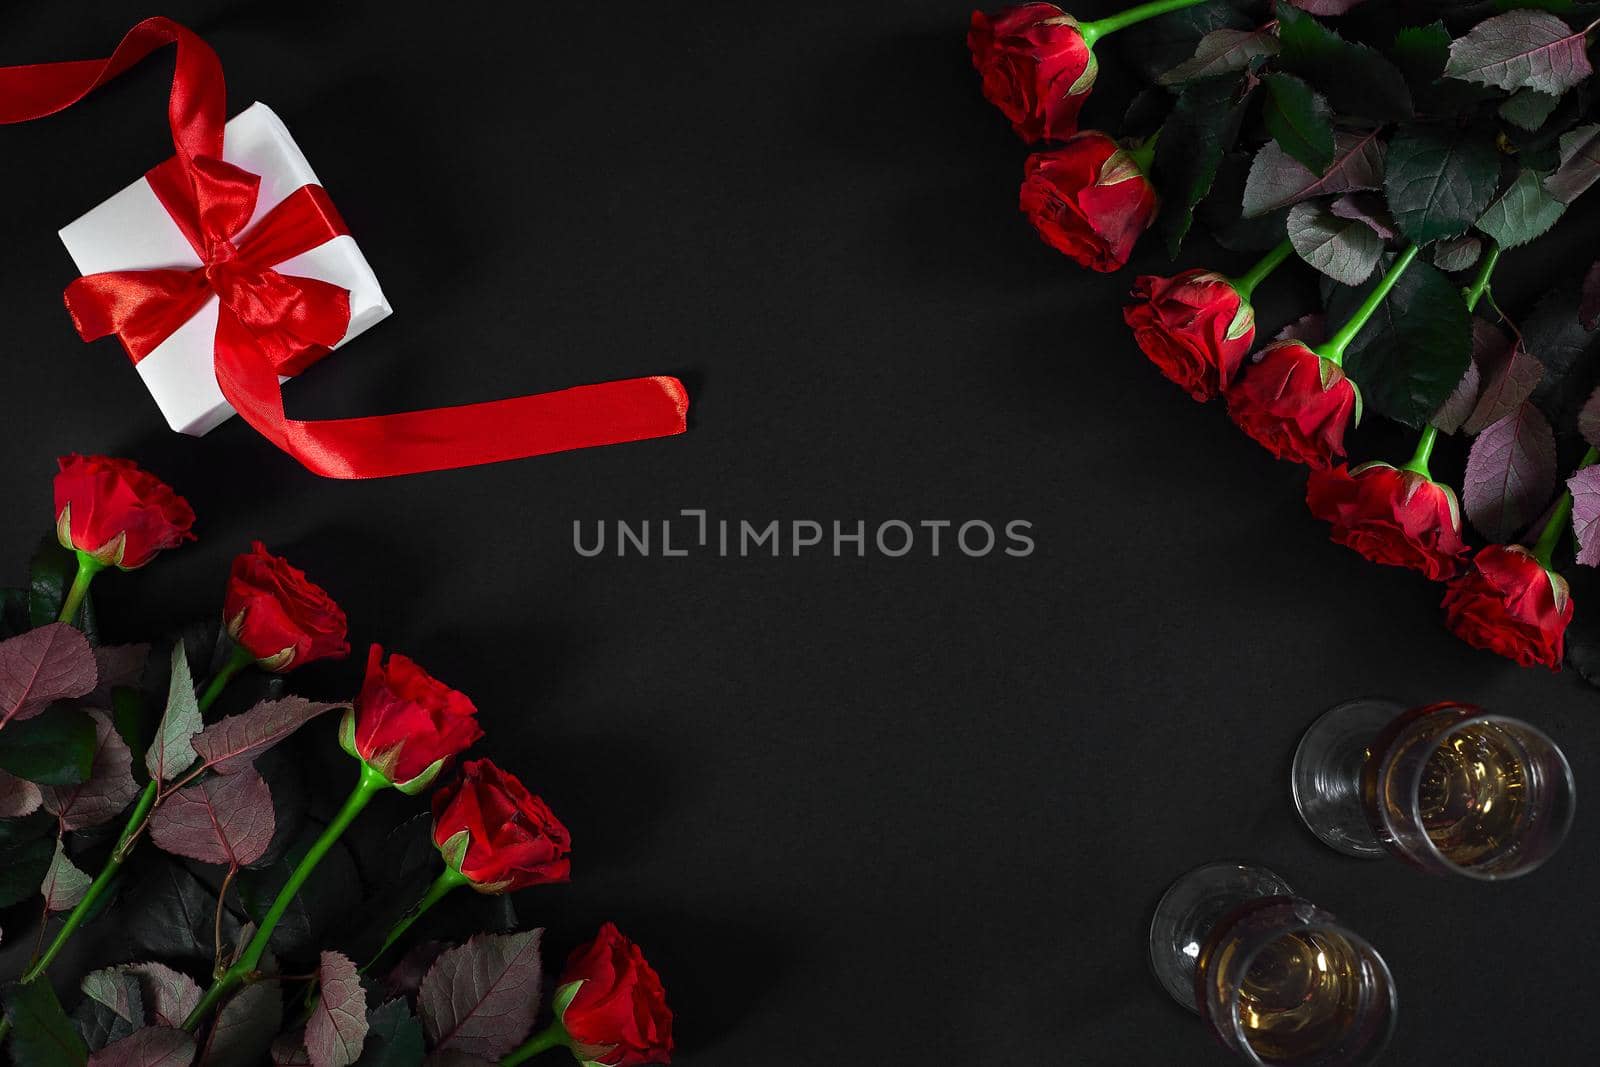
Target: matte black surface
{"type": "Point", "coordinates": [858, 811]}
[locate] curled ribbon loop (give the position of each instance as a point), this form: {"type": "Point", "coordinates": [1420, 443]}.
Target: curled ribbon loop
{"type": "Point", "coordinates": [271, 324]}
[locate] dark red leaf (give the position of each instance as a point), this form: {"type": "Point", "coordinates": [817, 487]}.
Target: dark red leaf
{"type": "Point", "coordinates": [338, 1024]}
{"type": "Point", "coordinates": [110, 785]}
{"type": "Point", "coordinates": [226, 819]}
{"type": "Point", "coordinates": [51, 663]}
{"type": "Point", "coordinates": [154, 1046]}
{"type": "Point", "coordinates": [1509, 378]}
{"type": "Point", "coordinates": [482, 998]}
{"type": "Point", "coordinates": [1589, 305]}
{"type": "Point", "coordinates": [1511, 474]}
{"type": "Point", "coordinates": [1585, 487]}
{"type": "Point", "coordinates": [233, 743]}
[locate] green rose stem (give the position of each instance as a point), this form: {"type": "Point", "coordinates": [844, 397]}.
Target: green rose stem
{"type": "Point", "coordinates": [1333, 348]}
{"type": "Point", "coordinates": [1545, 547]}
{"type": "Point", "coordinates": [1145, 155]}
{"type": "Point", "coordinates": [135, 825]}
{"type": "Point", "coordinates": [1418, 462]}
{"type": "Point", "coordinates": [369, 785]}
{"type": "Point", "coordinates": [1480, 283]}
{"type": "Point", "coordinates": [1246, 283]}
{"type": "Point", "coordinates": [448, 879]}
{"type": "Point", "coordinates": [550, 1037]}
{"type": "Point", "coordinates": [88, 567]}
{"type": "Point", "coordinates": [1093, 31]}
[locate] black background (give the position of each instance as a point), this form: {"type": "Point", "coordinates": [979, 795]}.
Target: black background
{"type": "Point", "coordinates": [856, 810]}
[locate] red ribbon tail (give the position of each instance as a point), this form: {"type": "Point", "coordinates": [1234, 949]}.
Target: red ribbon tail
{"type": "Point", "coordinates": [412, 442]}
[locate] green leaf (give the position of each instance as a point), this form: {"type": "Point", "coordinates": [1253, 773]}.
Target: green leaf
{"type": "Point", "coordinates": [1553, 333]}
{"type": "Point", "coordinates": [1522, 212]}
{"type": "Point", "coordinates": [394, 1037]}
{"type": "Point", "coordinates": [1528, 108]}
{"type": "Point", "coordinates": [1160, 44]}
{"type": "Point", "coordinates": [173, 750]}
{"type": "Point", "coordinates": [42, 1035]}
{"type": "Point", "coordinates": [1421, 52]}
{"type": "Point", "coordinates": [1345, 250]}
{"type": "Point", "coordinates": [49, 576]}
{"type": "Point", "coordinates": [1521, 50]}
{"type": "Point", "coordinates": [14, 612]}
{"type": "Point", "coordinates": [1277, 181]}
{"type": "Point", "coordinates": [22, 868]}
{"type": "Point", "coordinates": [1355, 78]}
{"type": "Point", "coordinates": [1203, 126]}
{"type": "Point", "coordinates": [1221, 211]}
{"type": "Point", "coordinates": [1580, 164]}
{"type": "Point", "coordinates": [54, 748]}
{"type": "Point", "coordinates": [1438, 180]}
{"type": "Point", "coordinates": [130, 714]}
{"type": "Point", "coordinates": [1414, 349]}
{"type": "Point", "coordinates": [1223, 51]}
{"type": "Point", "coordinates": [1298, 118]}
{"type": "Point", "coordinates": [170, 912]}
{"type": "Point", "coordinates": [1457, 253]}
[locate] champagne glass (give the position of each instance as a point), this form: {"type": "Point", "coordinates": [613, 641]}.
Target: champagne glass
{"type": "Point", "coordinates": [1449, 788]}
{"type": "Point", "coordinates": [1276, 979]}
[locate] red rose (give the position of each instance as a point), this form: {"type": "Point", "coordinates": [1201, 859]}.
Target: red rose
{"type": "Point", "coordinates": [1036, 68]}
{"type": "Point", "coordinates": [619, 1015]}
{"type": "Point", "coordinates": [1391, 516]}
{"type": "Point", "coordinates": [117, 513]}
{"type": "Point", "coordinates": [1295, 403]}
{"type": "Point", "coordinates": [1089, 200]}
{"type": "Point", "coordinates": [1194, 327]}
{"type": "Point", "coordinates": [1509, 603]}
{"type": "Point", "coordinates": [513, 839]}
{"type": "Point", "coordinates": [279, 616]}
{"type": "Point", "coordinates": [406, 722]}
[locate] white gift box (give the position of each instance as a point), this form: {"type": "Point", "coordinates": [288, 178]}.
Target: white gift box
{"type": "Point", "coordinates": [132, 231]}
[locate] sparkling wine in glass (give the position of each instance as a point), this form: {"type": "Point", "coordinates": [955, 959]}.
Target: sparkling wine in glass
{"type": "Point", "coordinates": [1277, 980]}
{"type": "Point", "coordinates": [1449, 788]}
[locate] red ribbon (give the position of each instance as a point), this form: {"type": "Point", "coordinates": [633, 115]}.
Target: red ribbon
{"type": "Point", "coordinates": [272, 324]}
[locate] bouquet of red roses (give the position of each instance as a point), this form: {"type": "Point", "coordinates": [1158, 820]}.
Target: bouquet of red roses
{"type": "Point", "coordinates": [1397, 149]}
{"type": "Point", "coordinates": [104, 749]}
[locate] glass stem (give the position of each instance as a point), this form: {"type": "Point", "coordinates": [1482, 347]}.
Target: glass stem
{"type": "Point", "coordinates": [1246, 283]}
{"type": "Point", "coordinates": [1093, 31]}
{"type": "Point", "coordinates": [1419, 459]}
{"type": "Point", "coordinates": [1333, 348]}
{"type": "Point", "coordinates": [1556, 525]}
{"type": "Point", "coordinates": [368, 786]}
{"type": "Point", "coordinates": [88, 567]}
{"type": "Point", "coordinates": [550, 1037]}
{"type": "Point", "coordinates": [1480, 282]}
{"type": "Point", "coordinates": [448, 879]}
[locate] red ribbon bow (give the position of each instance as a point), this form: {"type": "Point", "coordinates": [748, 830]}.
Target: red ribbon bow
{"type": "Point", "coordinates": [272, 324]}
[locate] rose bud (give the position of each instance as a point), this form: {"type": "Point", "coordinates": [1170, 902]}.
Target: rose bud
{"type": "Point", "coordinates": [278, 615]}
{"type": "Point", "coordinates": [115, 513]}
{"type": "Point", "coordinates": [1508, 602]}
{"type": "Point", "coordinates": [1295, 403]}
{"type": "Point", "coordinates": [406, 724]}
{"type": "Point", "coordinates": [612, 1005]}
{"type": "Point", "coordinates": [1036, 67]}
{"type": "Point", "coordinates": [1391, 515]}
{"type": "Point", "coordinates": [1195, 327]}
{"type": "Point", "coordinates": [1089, 200]}
{"type": "Point", "coordinates": [499, 836]}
